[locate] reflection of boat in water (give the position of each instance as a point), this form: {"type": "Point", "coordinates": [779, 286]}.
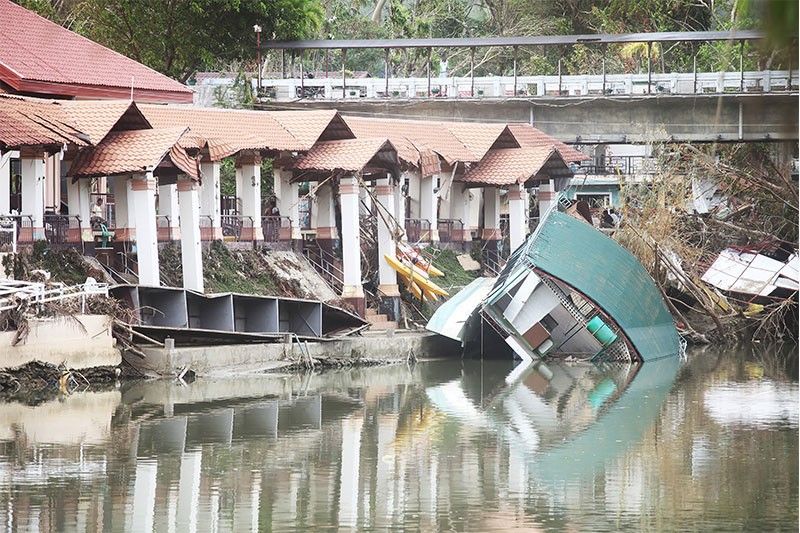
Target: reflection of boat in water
{"type": "Point", "coordinates": [563, 417]}
{"type": "Point", "coordinates": [568, 290]}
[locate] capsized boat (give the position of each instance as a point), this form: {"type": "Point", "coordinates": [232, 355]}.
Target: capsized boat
{"type": "Point", "coordinates": [570, 290]}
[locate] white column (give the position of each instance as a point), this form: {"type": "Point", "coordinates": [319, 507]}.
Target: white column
{"type": "Point", "coordinates": [351, 239]}
{"type": "Point", "coordinates": [191, 249]}
{"type": "Point", "coordinates": [168, 206]}
{"type": "Point", "coordinates": [78, 201]}
{"type": "Point", "coordinates": [124, 219]}
{"type": "Point", "coordinates": [210, 201]}
{"type": "Point", "coordinates": [326, 213]}
{"type": "Point", "coordinates": [248, 190]}
{"type": "Point", "coordinates": [143, 187]}
{"type": "Point", "coordinates": [460, 204]}
{"type": "Point", "coordinates": [517, 207]}
{"type": "Point", "coordinates": [414, 191]}
{"type": "Point", "coordinates": [32, 171]}
{"type": "Point", "coordinates": [286, 193]}
{"type": "Point", "coordinates": [491, 214]}
{"type": "Point", "coordinates": [546, 196]}
{"type": "Point", "coordinates": [387, 277]}
{"type": "Point", "coordinates": [429, 204]}
{"type": "Point", "coordinates": [5, 183]}
{"type": "Point", "coordinates": [400, 206]}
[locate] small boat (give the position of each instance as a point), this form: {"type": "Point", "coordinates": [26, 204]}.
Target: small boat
{"type": "Point", "coordinates": [407, 253]}
{"type": "Point", "coordinates": [413, 275]}
{"type": "Point", "coordinates": [568, 291]}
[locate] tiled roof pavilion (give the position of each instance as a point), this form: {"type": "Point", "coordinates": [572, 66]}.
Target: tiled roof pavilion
{"type": "Point", "coordinates": [40, 57]}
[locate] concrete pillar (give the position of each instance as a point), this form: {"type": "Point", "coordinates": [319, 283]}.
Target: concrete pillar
{"type": "Point", "coordinates": [460, 204]}
{"type": "Point", "coordinates": [248, 190]}
{"type": "Point", "coordinates": [124, 220]}
{"type": "Point", "coordinates": [286, 194]}
{"type": "Point", "coordinates": [364, 202]}
{"type": "Point", "coordinates": [143, 196]}
{"type": "Point", "coordinates": [400, 205]}
{"type": "Point", "coordinates": [387, 276]}
{"type": "Point", "coordinates": [429, 205]}
{"type": "Point", "coordinates": [517, 210]}
{"type": "Point", "coordinates": [352, 292]}
{"type": "Point", "coordinates": [210, 221]}
{"type": "Point", "coordinates": [169, 228]}
{"type": "Point", "coordinates": [414, 188]}
{"type": "Point", "coordinates": [546, 197]}
{"type": "Point", "coordinates": [5, 183]}
{"type": "Point", "coordinates": [79, 203]}
{"type": "Point", "coordinates": [33, 178]}
{"type": "Point", "coordinates": [491, 214]}
{"type": "Point", "coordinates": [191, 249]}
{"type": "Point", "coordinates": [326, 218]}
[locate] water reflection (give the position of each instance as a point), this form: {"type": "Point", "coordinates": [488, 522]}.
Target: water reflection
{"type": "Point", "coordinates": [445, 445]}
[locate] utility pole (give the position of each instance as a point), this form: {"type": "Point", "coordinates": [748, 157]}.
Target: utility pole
{"type": "Point", "coordinates": [257, 30]}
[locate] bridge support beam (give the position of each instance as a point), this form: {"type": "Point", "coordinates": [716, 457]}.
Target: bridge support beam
{"type": "Point", "coordinates": [191, 249]}
{"type": "Point", "coordinates": [387, 277]}
{"type": "Point", "coordinates": [143, 196]}
{"type": "Point", "coordinates": [353, 292]}
{"type": "Point", "coordinates": [210, 219]}
{"type": "Point", "coordinates": [327, 236]}
{"type": "Point", "coordinates": [517, 207]}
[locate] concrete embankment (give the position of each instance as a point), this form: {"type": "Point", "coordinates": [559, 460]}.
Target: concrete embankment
{"type": "Point", "coordinates": [370, 348]}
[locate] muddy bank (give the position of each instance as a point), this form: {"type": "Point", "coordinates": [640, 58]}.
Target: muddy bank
{"type": "Point", "coordinates": [38, 382]}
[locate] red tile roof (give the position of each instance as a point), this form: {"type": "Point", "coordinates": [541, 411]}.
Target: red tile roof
{"type": "Point", "coordinates": [131, 151]}
{"type": "Point", "coordinates": [530, 137]}
{"type": "Point", "coordinates": [311, 126]}
{"type": "Point", "coordinates": [243, 130]}
{"type": "Point", "coordinates": [97, 117]}
{"type": "Point", "coordinates": [507, 166]}
{"type": "Point", "coordinates": [34, 122]}
{"type": "Point", "coordinates": [351, 155]}
{"type": "Point", "coordinates": [41, 57]}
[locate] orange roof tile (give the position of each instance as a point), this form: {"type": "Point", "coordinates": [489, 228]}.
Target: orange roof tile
{"type": "Point", "coordinates": [39, 56]}
{"type": "Point", "coordinates": [33, 122]}
{"type": "Point", "coordinates": [351, 155]}
{"type": "Point", "coordinates": [97, 117]}
{"type": "Point", "coordinates": [507, 166]}
{"type": "Point", "coordinates": [530, 137]}
{"type": "Point", "coordinates": [131, 151]}
{"type": "Point", "coordinates": [244, 130]}
{"type": "Point", "coordinates": [311, 126]}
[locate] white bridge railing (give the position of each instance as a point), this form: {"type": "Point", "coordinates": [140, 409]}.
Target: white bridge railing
{"type": "Point", "coordinates": [526, 86]}
{"type": "Point", "coordinates": [12, 292]}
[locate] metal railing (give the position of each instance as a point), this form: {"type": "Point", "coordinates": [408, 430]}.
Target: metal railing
{"type": "Point", "coordinates": [533, 86]}
{"type": "Point", "coordinates": [449, 228]}
{"type": "Point", "coordinates": [12, 291]}
{"type": "Point", "coordinates": [8, 234]}
{"type": "Point", "coordinates": [232, 225]}
{"type": "Point", "coordinates": [619, 165]}
{"type": "Point", "coordinates": [271, 227]}
{"type": "Point", "coordinates": [326, 265]}
{"type": "Point", "coordinates": [164, 228]}
{"type": "Point", "coordinates": [418, 229]}
{"type": "Point", "coordinates": [56, 227]}
{"type": "Point", "coordinates": [22, 222]}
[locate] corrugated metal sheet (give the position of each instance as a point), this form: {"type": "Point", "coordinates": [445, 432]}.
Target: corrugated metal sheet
{"type": "Point", "coordinates": [608, 274]}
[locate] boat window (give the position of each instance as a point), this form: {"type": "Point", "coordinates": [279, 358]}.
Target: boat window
{"type": "Point", "coordinates": [549, 323]}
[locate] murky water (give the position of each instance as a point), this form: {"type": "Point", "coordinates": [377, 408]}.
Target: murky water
{"type": "Point", "coordinates": [712, 444]}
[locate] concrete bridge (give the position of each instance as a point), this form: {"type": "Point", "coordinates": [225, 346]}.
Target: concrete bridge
{"type": "Point", "coordinates": [586, 109]}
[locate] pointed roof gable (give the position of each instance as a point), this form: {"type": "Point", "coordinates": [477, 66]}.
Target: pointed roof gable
{"type": "Point", "coordinates": [508, 166]}
{"type": "Point", "coordinates": [531, 137]}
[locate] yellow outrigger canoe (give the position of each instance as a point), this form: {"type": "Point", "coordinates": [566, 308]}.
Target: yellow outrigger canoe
{"type": "Point", "coordinates": [412, 274]}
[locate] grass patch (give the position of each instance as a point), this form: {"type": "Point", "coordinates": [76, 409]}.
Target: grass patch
{"type": "Point", "coordinates": [455, 277]}
{"type": "Point", "coordinates": [244, 271]}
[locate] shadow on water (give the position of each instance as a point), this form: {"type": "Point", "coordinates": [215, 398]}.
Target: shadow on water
{"type": "Point", "coordinates": [465, 445]}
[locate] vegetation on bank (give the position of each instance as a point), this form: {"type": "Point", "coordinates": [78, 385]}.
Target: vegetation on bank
{"type": "Point", "coordinates": [67, 266]}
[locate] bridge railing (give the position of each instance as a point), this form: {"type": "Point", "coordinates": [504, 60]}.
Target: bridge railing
{"type": "Point", "coordinates": [332, 88]}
